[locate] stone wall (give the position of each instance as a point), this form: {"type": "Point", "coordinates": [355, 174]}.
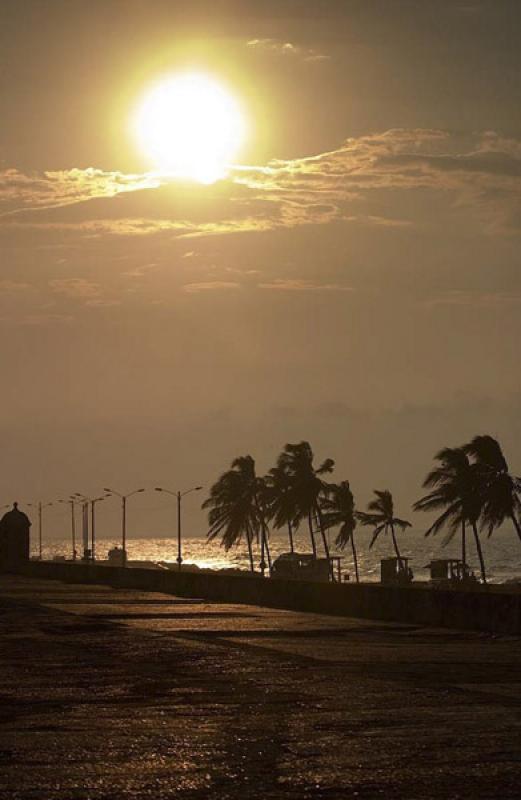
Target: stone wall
{"type": "Point", "coordinates": [483, 609]}
{"type": "Point", "coordinates": [14, 549]}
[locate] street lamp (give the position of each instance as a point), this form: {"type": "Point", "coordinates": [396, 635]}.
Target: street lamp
{"type": "Point", "coordinates": [83, 501]}
{"type": "Point", "coordinates": [93, 523]}
{"type": "Point", "coordinates": [92, 500]}
{"type": "Point", "coordinates": [124, 498]}
{"type": "Point", "coordinates": [72, 503]}
{"type": "Point", "coordinates": [40, 506]}
{"type": "Point", "coordinates": [178, 495]}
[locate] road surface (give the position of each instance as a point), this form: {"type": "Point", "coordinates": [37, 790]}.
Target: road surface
{"type": "Point", "coordinates": [108, 694]}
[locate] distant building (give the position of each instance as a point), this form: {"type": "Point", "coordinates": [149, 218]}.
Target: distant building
{"type": "Point", "coordinates": [394, 570]}
{"type": "Point", "coordinates": [303, 567]}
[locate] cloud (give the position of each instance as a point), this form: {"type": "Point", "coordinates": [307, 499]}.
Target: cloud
{"type": "Point", "coordinates": [362, 182]}
{"type": "Point", "coordinates": [480, 172]}
{"type": "Point", "coordinates": [13, 286]}
{"type": "Point", "coordinates": [476, 299]}
{"type": "Point", "coordinates": [184, 229]}
{"type": "Point", "coordinates": [99, 303]}
{"type": "Point", "coordinates": [20, 192]}
{"type": "Point", "coordinates": [75, 287]}
{"type": "Point", "coordinates": [210, 286]}
{"type": "Point", "coordinates": [288, 49]}
{"type": "Point", "coordinates": [141, 271]}
{"type": "Point", "coordinates": [373, 219]}
{"type": "Point", "coordinates": [295, 285]}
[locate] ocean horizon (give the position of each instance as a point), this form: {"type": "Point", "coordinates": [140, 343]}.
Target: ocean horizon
{"type": "Point", "coordinates": [502, 552]}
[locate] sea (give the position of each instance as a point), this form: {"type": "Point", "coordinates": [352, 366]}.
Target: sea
{"type": "Point", "coordinates": [502, 552]}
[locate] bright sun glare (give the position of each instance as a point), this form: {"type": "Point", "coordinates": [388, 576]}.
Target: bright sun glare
{"type": "Point", "coordinates": [190, 126]}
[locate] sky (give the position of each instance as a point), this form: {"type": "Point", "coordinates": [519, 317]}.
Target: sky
{"type": "Point", "coordinates": [353, 280]}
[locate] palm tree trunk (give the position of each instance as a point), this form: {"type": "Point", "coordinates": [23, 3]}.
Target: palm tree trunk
{"type": "Point", "coordinates": [463, 544]}
{"type": "Point", "coordinates": [290, 535]}
{"type": "Point", "coordinates": [395, 544]}
{"type": "Point", "coordinates": [267, 546]}
{"type": "Point", "coordinates": [480, 553]}
{"type": "Point", "coordinates": [263, 544]}
{"type": "Point", "coordinates": [265, 550]}
{"type": "Point", "coordinates": [324, 542]}
{"type": "Point", "coordinates": [322, 531]}
{"type": "Point", "coordinates": [312, 537]}
{"type": "Point", "coordinates": [516, 524]}
{"type": "Point", "coordinates": [355, 557]}
{"type": "Point", "coordinates": [250, 549]}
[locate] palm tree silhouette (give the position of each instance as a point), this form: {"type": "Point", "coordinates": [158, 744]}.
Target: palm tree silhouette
{"type": "Point", "coordinates": [280, 501]}
{"type": "Point", "coordinates": [234, 509]}
{"type": "Point", "coordinates": [499, 488]}
{"type": "Point", "coordinates": [381, 518]}
{"type": "Point", "coordinates": [260, 501]}
{"type": "Point", "coordinates": [338, 511]}
{"type": "Point", "coordinates": [455, 488]}
{"type": "Point", "coordinates": [307, 487]}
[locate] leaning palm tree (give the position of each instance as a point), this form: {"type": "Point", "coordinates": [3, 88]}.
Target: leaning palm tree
{"type": "Point", "coordinates": [307, 487]}
{"type": "Point", "coordinates": [455, 487]}
{"type": "Point", "coordinates": [280, 501]}
{"type": "Point", "coordinates": [233, 506]}
{"type": "Point", "coordinates": [260, 501]}
{"type": "Point", "coordinates": [338, 511]}
{"type": "Point", "coordinates": [501, 491]}
{"type": "Point", "coordinates": [380, 516]}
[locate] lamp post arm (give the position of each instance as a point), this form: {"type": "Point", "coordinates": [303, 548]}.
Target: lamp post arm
{"type": "Point", "coordinates": [136, 491]}
{"type": "Point", "coordinates": [166, 491]}
{"type": "Point", "coordinates": [193, 489]}
{"type": "Point", "coordinates": [112, 491]}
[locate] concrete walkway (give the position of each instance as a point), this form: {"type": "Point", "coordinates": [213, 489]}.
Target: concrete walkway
{"type": "Point", "coordinates": [113, 694]}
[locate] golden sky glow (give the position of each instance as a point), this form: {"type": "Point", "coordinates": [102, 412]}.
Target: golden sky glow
{"type": "Point", "coordinates": [190, 126]}
{"type": "Point", "coordinates": [247, 223]}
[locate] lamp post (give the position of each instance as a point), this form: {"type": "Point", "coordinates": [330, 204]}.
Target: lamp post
{"type": "Point", "coordinates": [40, 506]}
{"type": "Point", "coordinates": [72, 503]}
{"type": "Point", "coordinates": [92, 501]}
{"type": "Point", "coordinates": [93, 524]}
{"type": "Point", "coordinates": [83, 501]}
{"type": "Point", "coordinates": [178, 495]}
{"type": "Point", "coordinates": [124, 498]}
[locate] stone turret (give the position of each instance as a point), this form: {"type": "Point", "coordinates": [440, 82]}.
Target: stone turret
{"type": "Point", "coordinates": [14, 539]}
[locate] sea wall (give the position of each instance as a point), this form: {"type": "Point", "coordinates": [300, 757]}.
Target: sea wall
{"type": "Point", "coordinates": [481, 609]}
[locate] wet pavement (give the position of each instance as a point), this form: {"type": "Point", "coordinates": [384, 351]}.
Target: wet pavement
{"type": "Point", "coordinates": [118, 694]}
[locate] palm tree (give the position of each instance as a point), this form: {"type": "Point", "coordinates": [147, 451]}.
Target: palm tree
{"type": "Point", "coordinates": [307, 487]}
{"type": "Point", "coordinates": [500, 489]}
{"type": "Point", "coordinates": [339, 512]}
{"type": "Point", "coordinates": [455, 488]}
{"type": "Point", "coordinates": [280, 502]}
{"type": "Point", "coordinates": [260, 501]}
{"type": "Point", "coordinates": [233, 508]}
{"type": "Point", "coordinates": [380, 515]}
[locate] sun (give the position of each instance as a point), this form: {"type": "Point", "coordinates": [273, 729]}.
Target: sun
{"type": "Point", "coordinates": [190, 126]}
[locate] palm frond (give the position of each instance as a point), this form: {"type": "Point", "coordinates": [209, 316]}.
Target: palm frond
{"type": "Point", "coordinates": [453, 511]}
{"type": "Point", "coordinates": [377, 531]}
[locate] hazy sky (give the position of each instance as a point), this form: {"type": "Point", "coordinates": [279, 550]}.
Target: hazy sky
{"type": "Point", "coordinates": [354, 281]}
